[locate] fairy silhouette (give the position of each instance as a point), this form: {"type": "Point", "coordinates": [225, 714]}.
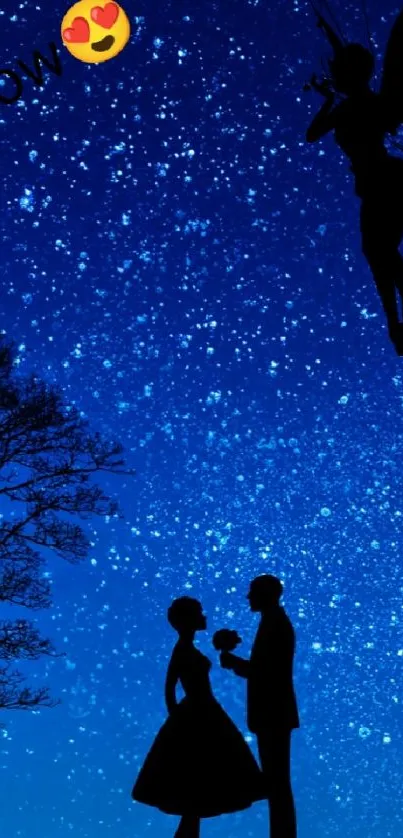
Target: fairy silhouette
{"type": "Point", "coordinates": [199, 765]}
{"type": "Point", "coordinates": [361, 119]}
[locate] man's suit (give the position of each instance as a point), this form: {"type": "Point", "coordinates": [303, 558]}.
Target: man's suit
{"type": "Point", "coordinates": [272, 712]}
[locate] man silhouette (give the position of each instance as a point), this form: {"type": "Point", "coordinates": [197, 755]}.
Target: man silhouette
{"type": "Point", "coordinates": [271, 703]}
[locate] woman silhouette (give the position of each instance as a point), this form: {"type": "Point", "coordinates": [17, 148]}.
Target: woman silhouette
{"type": "Point", "coordinates": [360, 122]}
{"type": "Point", "coordinates": [199, 765]}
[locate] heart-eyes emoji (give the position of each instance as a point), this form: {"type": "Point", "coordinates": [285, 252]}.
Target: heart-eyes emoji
{"type": "Point", "coordinates": [95, 30]}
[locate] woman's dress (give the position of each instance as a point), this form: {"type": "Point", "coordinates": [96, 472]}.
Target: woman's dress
{"type": "Point", "coordinates": [199, 762]}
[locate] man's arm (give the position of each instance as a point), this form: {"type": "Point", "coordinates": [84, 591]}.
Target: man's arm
{"type": "Point", "coordinates": [238, 665]}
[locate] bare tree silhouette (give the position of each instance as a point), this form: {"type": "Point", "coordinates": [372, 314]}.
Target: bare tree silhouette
{"type": "Point", "coordinates": [47, 457]}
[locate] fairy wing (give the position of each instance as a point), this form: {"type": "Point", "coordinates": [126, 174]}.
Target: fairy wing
{"type": "Point", "coordinates": [392, 77]}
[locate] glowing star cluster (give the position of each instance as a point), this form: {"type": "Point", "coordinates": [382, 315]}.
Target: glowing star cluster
{"type": "Point", "coordinates": [95, 33]}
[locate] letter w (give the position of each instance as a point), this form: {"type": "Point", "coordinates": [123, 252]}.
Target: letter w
{"type": "Point", "coordinates": [37, 76]}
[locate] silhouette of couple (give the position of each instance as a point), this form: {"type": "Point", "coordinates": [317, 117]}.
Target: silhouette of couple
{"type": "Point", "coordinates": [199, 765]}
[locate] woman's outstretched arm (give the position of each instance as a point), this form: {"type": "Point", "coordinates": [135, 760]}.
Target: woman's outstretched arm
{"type": "Point", "coordinates": [335, 42]}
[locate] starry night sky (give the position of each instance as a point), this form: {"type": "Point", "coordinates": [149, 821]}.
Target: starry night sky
{"type": "Point", "coordinates": [188, 270]}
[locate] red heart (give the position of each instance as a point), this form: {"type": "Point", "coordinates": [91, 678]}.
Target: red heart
{"type": "Point", "coordinates": [79, 32]}
{"type": "Point", "coordinates": [105, 17]}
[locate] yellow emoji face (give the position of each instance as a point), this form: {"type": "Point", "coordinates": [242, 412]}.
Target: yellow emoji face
{"type": "Point", "coordinates": [95, 33]}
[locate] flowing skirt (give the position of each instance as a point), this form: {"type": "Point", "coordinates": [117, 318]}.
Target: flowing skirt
{"type": "Point", "coordinates": [199, 764]}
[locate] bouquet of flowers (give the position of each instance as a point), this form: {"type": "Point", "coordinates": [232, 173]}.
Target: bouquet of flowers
{"type": "Point", "coordinates": [226, 640]}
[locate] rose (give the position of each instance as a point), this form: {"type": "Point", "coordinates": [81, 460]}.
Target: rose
{"type": "Point", "coordinates": [226, 640]}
